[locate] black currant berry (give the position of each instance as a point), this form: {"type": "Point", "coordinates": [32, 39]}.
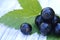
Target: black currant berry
{"type": "Point", "coordinates": [45, 28]}
{"type": "Point", "coordinates": [38, 20]}
{"type": "Point", "coordinates": [47, 14]}
{"type": "Point", "coordinates": [57, 29]}
{"type": "Point", "coordinates": [26, 28]}
{"type": "Point", "coordinates": [55, 20]}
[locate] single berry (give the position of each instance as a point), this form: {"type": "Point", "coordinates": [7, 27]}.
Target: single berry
{"type": "Point", "coordinates": [38, 20]}
{"type": "Point", "coordinates": [45, 28]}
{"type": "Point", "coordinates": [57, 29]}
{"type": "Point", "coordinates": [26, 28]}
{"type": "Point", "coordinates": [55, 20]}
{"type": "Point", "coordinates": [47, 14]}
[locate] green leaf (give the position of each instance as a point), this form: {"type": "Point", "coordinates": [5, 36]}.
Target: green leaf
{"type": "Point", "coordinates": [31, 8]}
{"type": "Point", "coordinates": [32, 5]}
{"type": "Point", "coordinates": [53, 37]}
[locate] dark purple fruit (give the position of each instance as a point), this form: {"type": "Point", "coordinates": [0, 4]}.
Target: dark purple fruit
{"type": "Point", "coordinates": [47, 14]}
{"type": "Point", "coordinates": [57, 29]}
{"type": "Point", "coordinates": [26, 28]}
{"type": "Point", "coordinates": [38, 20]}
{"type": "Point", "coordinates": [45, 28]}
{"type": "Point", "coordinates": [55, 20]}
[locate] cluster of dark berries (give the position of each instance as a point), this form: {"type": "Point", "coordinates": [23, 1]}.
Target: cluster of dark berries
{"type": "Point", "coordinates": [46, 23]}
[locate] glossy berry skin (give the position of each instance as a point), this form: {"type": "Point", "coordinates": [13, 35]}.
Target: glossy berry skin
{"type": "Point", "coordinates": [26, 28]}
{"type": "Point", "coordinates": [47, 14]}
{"type": "Point", "coordinates": [38, 20]}
{"type": "Point", "coordinates": [45, 28]}
{"type": "Point", "coordinates": [57, 29]}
